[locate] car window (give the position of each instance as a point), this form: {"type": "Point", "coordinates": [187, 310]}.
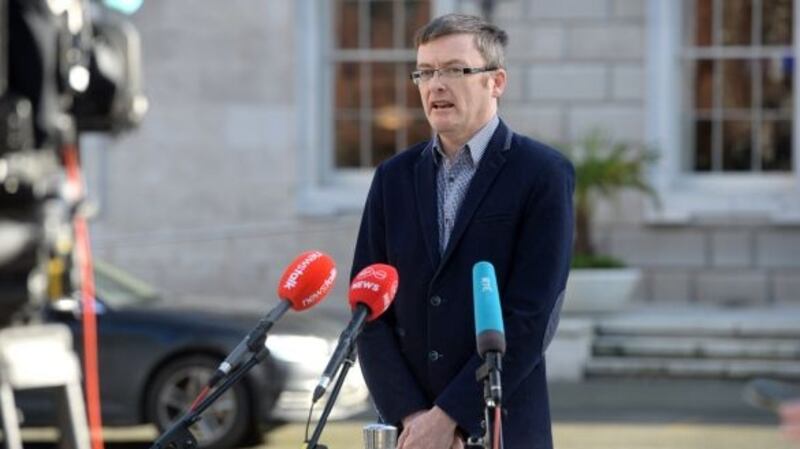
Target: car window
{"type": "Point", "coordinates": [118, 288]}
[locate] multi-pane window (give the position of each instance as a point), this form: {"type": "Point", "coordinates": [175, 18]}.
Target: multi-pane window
{"type": "Point", "coordinates": [376, 108]}
{"type": "Point", "coordinates": [738, 60]}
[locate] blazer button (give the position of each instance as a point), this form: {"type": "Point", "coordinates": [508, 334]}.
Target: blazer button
{"type": "Point", "coordinates": [436, 301]}
{"type": "Point", "coordinates": [434, 356]}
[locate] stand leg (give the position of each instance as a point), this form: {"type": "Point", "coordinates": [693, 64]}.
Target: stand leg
{"type": "Point", "coordinates": [349, 361]}
{"type": "Point", "coordinates": [72, 418]}
{"type": "Point", "coordinates": [11, 436]}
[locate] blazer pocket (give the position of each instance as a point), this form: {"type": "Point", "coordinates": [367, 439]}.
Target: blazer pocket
{"type": "Point", "coordinates": [493, 217]}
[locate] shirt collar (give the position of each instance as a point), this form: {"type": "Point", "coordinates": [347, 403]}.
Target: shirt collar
{"type": "Point", "coordinates": [476, 145]}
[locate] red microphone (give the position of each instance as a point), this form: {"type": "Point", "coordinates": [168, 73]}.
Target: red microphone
{"type": "Point", "coordinates": [307, 280]}
{"type": "Point", "coordinates": [304, 283]}
{"type": "Point", "coordinates": [374, 287]}
{"type": "Point", "coordinates": [371, 293]}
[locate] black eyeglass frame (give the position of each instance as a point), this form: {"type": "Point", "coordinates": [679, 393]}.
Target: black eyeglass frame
{"type": "Point", "coordinates": [416, 75]}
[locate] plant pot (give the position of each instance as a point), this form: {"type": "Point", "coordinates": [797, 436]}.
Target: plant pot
{"type": "Point", "coordinates": [601, 290]}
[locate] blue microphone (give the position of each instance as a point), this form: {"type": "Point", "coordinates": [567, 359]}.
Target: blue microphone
{"type": "Point", "coordinates": [489, 330]}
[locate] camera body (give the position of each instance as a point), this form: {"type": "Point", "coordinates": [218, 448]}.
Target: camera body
{"type": "Point", "coordinates": [66, 67]}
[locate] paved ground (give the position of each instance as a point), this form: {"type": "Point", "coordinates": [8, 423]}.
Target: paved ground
{"type": "Point", "coordinates": [567, 435]}
{"type": "Point", "coordinates": [598, 436]}
{"type": "Point", "coordinates": [601, 414]}
{"type": "Point", "coordinates": [654, 401]}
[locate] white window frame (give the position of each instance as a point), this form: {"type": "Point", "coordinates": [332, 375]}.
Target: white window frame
{"type": "Point", "coordinates": [692, 197]}
{"type": "Point", "coordinates": [324, 189]}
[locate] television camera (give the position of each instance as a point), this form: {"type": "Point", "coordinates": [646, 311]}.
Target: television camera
{"type": "Point", "coordinates": [67, 67]}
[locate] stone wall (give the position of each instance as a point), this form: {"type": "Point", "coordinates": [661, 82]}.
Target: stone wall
{"type": "Point", "coordinates": [202, 199]}
{"type": "Point", "coordinates": [713, 264]}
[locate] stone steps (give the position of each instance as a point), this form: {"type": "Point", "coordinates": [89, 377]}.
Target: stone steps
{"type": "Point", "coordinates": [692, 368]}
{"type": "Point", "coordinates": [777, 322]}
{"type": "Point", "coordinates": [697, 347]}
{"type": "Point", "coordinates": [701, 343]}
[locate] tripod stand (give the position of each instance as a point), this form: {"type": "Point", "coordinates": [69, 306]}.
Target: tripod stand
{"type": "Point", "coordinates": [178, 436]}
{"type": "Point", "coordinates": [349, 361]}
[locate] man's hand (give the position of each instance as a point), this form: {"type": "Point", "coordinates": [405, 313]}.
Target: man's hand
{"type": "Point", "coordinates": [407, 420]}
{"type": "Point", "coordinates": [432, 429]}
{"type": "Point", "coordinates": [458, 443]}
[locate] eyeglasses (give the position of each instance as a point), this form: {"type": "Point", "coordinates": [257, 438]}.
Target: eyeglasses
{"type": "Point", "coordinates": [451, 73]}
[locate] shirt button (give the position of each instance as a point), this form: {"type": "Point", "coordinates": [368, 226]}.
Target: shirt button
{"type": "Point", "coordinates": [451, 179]}
{"type": "Point", "coordinates": [434, 356]}
{"type": "Point", "coordinates": [436, 301]}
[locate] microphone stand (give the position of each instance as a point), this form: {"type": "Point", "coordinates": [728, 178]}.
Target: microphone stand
{"type": "Point", "coordinates": [178, 436]}
{"type": "Point", "coordinates": [349, 361]}
{"type": "Point", "coordinates": [489, 373]}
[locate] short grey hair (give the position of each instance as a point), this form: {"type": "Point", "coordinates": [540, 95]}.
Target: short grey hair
{"type": "Point", "coordinates": [490, 40]}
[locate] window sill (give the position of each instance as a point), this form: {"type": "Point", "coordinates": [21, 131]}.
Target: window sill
{"type": "Point", "coordinates": [343, 195]}
{"type": "Point", "coordinates": [730, 200]}
{"type": "Point", "coordinates": [701, 219]}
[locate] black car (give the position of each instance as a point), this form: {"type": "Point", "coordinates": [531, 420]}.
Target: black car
{"type": "Point", "coordinates": [154, 360]}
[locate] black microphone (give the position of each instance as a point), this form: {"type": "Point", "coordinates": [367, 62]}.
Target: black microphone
{"type": "Point", "coordinates": [371, 293]}
{"type": "Point", "coordinates": [304, 283]}
{"type": "Point", "coordinates": [250, 344]}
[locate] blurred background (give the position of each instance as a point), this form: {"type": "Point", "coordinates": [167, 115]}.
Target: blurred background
{"type": "Point", "coordinates": [266, 119]}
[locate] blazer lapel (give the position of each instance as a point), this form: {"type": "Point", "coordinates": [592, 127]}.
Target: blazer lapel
{"type": "Point", "coordinates": [425, 190]}
{"type": "Point", "coordinates": [490, 165]}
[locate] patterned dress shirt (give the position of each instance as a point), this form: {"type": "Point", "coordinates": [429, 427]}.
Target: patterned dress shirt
{"type": "Point", "coordinates": [454, 175]}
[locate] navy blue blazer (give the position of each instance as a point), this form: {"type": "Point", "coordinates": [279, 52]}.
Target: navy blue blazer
{"type": "Point", "coordinates": [517, 214]}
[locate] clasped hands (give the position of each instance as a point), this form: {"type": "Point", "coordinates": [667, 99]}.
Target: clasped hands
{"type": "Point", "coordinates": [429, 429]}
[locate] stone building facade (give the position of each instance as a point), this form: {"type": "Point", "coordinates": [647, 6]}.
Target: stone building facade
{"type": "Point", "coordinates": [237, 168]}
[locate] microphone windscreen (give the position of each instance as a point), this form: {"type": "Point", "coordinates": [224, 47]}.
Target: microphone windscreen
{"type": "Point", "coordinates": [374, 287]}
{"type": "Point", "coordinates": [307, 280]}
{"type": "Point", "coordinates": [489, 330]}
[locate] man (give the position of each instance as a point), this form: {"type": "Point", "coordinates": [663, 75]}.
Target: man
{"type": "Point", "coordinates": [476, 191]}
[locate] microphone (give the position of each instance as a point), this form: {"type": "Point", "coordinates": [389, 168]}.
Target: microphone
{"type": "Point", "coordinates": [304, 283]}
{"type": "Point", "coordinates": [489, 331]}
{"type": "Point", "coordinates": [371, 293]}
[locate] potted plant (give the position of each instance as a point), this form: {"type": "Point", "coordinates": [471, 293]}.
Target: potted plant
{"type": "Point", "coordinates": [603, 168]}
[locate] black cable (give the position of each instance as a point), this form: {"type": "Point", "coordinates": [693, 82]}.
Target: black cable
{"type": "Point", "coordinates": [308, 422]}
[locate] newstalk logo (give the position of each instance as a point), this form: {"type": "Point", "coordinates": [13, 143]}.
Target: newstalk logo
{"type": "Point", "coordinates": [291, 281]}
{"type": "Point", "coordinates": [317, 295]}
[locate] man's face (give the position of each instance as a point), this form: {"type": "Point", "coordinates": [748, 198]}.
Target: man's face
{"type": "Point", "coordinates": [458, 107]}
